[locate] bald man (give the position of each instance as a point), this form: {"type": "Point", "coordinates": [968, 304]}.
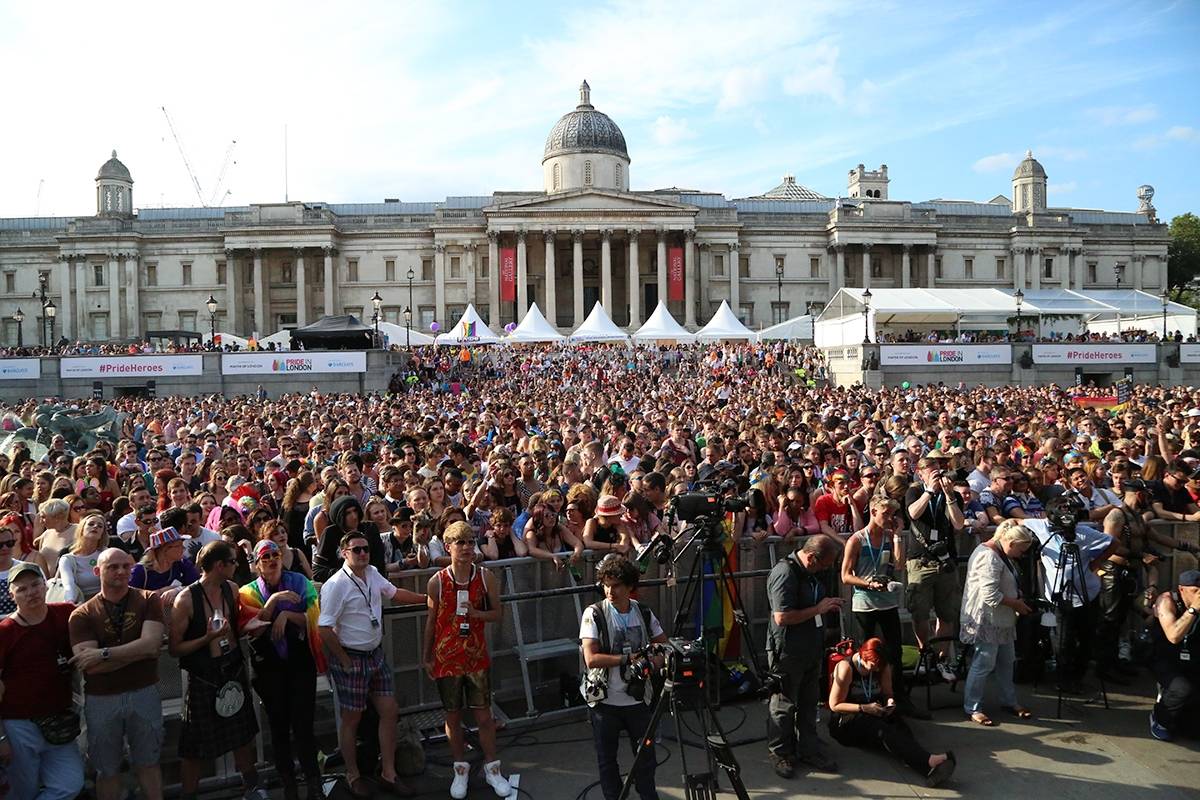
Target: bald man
{"type": "Point", "coordinates": [116, 637]}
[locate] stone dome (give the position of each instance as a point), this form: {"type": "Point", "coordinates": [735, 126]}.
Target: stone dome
{"type": "Point", "coordinates": [113, 169]}
{"type": "Point", "coordinates": [1029, 168]}
{"type": "Point", "coordinates": [585, 130]}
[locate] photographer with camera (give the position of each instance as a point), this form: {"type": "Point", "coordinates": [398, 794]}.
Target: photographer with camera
{"type": "Point", "coordinates": [1176, 660]}
{"type": "Point", "coordinates": [615, 633]}
{"type": "Point", "coordinates": [936, 514]}
{"type": "Point", "coordinates": [795, 646]}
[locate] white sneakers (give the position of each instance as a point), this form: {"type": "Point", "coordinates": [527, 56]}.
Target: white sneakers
{"type": "Point", "coordinates": [491, 771]}
{"type": "Point", "coordinates": [947, 674]}
{"type": "Point", "coordinates": [458, 787]}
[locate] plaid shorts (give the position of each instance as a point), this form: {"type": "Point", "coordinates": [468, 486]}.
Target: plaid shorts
{"type": "Point", "coordinates": [369, 674]}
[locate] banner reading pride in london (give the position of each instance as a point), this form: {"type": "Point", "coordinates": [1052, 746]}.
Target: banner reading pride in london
{"type": "Point", "coordinates": [153, 366]}
{"type": "Point", "coordinates": [949, 355]}
{"type": "Point", "coordinates": [508, 274]}
{"type": "Point", "coordinates": [1095, 353]}
{"type": "Point", "coordinates": [292, 363]}
{"type": "Point", "coordinates": [675, 273]}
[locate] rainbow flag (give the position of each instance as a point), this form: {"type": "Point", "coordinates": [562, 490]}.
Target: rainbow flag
{"type": "Point", "coordinates": [468, 330]}
{"type": "Point", "coordinates": [716, 598]}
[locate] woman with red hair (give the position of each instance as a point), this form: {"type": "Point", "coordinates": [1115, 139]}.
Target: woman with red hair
{"type": "Point", "coordinates": [863, 713]}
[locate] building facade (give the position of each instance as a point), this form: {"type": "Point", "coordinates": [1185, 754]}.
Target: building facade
{"type": "Point", "coordinates": [586, 238]}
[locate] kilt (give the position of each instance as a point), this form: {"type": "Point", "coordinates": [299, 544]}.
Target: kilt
{"type": "Point", "coordinates": [206, 734]}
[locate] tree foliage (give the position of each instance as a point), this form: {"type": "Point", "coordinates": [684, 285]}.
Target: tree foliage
{"type": "Point", "coordinates": [1183, 255]}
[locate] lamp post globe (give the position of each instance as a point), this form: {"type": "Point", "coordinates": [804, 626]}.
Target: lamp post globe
{"type": "Point", "coordinates": [19, 317]}
{"type": "Point", "coordinates": [1165, 300]}
{"type": "Point", "coordinates": [377, 303]}
{"type": "Point", "coordinates": [51, 311]}
{"type": "Point", "coordinates": [866, 301]}
{"type": "Point", "coordinates": [1019, 297]}
{"type": "Point", "coordinates": [408, 327]}
{"type": "Point", "coordinates": [211, 305]}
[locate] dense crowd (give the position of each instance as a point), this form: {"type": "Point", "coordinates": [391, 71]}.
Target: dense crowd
{"type": "Point", "coordinates": [1128, 336]}
{"type": "Point", "coordinates": [224, 515]}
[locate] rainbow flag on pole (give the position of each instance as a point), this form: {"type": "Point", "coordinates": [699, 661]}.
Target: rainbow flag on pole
{"type": "Point", "coordinates": [468, 330]}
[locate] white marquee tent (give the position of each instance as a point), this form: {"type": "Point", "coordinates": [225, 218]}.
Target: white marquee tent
{"type": "Point", "coordinates": [534, 328]}
{"type": "Point", "coordinates": [662, 327]}
{"type": "Point", "coordinates": [800, 328]}
{"type": "Point", "coordinates": [228, 338]}
{"type": "Point", "coordinates": [469, 330]}
{"type": "Point", "coordinates": [282, 340]}
{"type": "Point", "coordinates": [724, 325]}
{"type": "Point", "coordinates": [598, 327]}
{"type": "Point", "coordinates": [394, 334]}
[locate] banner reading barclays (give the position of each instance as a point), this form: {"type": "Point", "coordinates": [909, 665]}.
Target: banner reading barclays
{"type": "Point", "coordinates": [20, 369]}
{"type": "Point", "coordinates": [950, 355]}
{"type": "Point", "coordinates": [291, 363]}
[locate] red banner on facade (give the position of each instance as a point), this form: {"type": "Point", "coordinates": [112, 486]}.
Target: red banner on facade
{"type": "Point", "coordinates": [674, 273]}
{"type": "Point", "coordinates": [508, 274]}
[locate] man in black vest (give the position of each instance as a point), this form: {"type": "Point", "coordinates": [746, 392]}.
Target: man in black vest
{"type": "Point", "coordinates": [1176, 660]}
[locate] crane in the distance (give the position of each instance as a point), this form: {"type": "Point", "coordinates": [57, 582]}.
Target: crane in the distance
{"type": "Point", "coordinates": [213, 199]}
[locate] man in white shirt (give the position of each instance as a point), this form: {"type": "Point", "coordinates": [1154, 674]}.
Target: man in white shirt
{"type": "Point", "coordinates": [351, 625]}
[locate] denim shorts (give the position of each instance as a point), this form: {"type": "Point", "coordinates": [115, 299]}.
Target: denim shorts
{"type": "Point", "coordinates": [113, 719]}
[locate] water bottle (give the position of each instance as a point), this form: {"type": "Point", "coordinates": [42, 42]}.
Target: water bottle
{"type": "Point", "coordinates": [218, 619]}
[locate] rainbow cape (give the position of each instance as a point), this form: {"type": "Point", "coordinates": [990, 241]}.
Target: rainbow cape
{"type": "Point", "coordinates": [254, 597]}
{"type": "Point", "coordinates": [716, 600]}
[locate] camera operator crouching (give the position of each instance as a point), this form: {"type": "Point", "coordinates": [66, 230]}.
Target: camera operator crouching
{"type": "Point", "coordinates": [615, 633]}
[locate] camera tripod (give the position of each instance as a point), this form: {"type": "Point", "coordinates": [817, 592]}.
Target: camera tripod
{"type": "Point", "coordinates": [689, 692]}
{"type": "Point", "coordinates": [1063, 593]}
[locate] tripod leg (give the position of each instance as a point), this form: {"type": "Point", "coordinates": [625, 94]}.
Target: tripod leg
{"type": "Point", "coordinates": [721, 754]}
{"type": "Point", "coordinates": [646, 744]}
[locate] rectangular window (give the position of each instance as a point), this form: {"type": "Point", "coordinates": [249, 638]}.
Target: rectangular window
{"type": "Point", "coordinates": [877, 266]}
{"type": "Point", "coordinates": [483, 267]}
{"type": "Point", "coordinates": [44, 279]}
{"type": "Point", "coordinates": [454, 312]}
{"type": "Point", "coordinates": [1048, 268]}
{"type": "Point", "coordinates": [187, 320]}
{"type": "Point", "coordinates": [10, 282]}
{"type": "Point", "coordinates": [968, 268]}
{"type": "Point", "coordinates": [10, 332]}
{"type": "Point", "coordinates": [151, 274]}
{"type": "Point", "coordinates": [719, 266]}
{"type": "Point", "coordinates": [425, 317]}
{"type": "Point", "coordinates": [1001, 269]}
{"type": "Point", "coordinates": [389, 269]}
{"type": "Point", "coordinates": [100, 325]}
{"type": "Point", "coordinates": [286, 274]}
{"type": "Point", "coordinates": [352, 270]}
{"type": "Point", "coordinates": [427, 270]}
{"type": "Point", "coordinates": [152, 321]}
{"type": "Point", "coordinates": [392, 314]}
{"type": "Point", "coordinates": [779, 312]}
{"type": "Point", "coordinates": [746, 314]}
{"type": "Point", "coordinates": [1091, 272]}
{"type": "Point", "coordinates": [937, 267]}
{"type": "Point", "coordinates": [780, 264]}
{"type": "Point", "coordinates": [98, 280]}
{"type": "Point", "coordinates": [248, 276]}
{"type": "Point", "coordinates": [814, 267]}
{"type": "Point", "coordinates": [1119, 272]}
{"type": "Point", "coordinates": [743, 266]}
{"type": "Point", "coordinates": [222, 273]}
{"type": "Point", "coordinates": [287, 320]}
{"type": "Point", "coordinates": [187, 273]}
{"type": "Point", "coordinates": [455, 267]}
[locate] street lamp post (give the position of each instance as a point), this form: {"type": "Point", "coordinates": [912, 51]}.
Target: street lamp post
{"type": "Point", "coordinates": [377, 302]}
{"type": "Point", "coordinates": [19, 316]}
{"type": "Point", "coordinates": [1165, 300]}
{"type": "Point", "coordinates": [411, 275]}
{"type": "Point", "coordinates": [408, 328]}
{"type": "Point", "coordinates": [211, 305]}
{"type": "Point", "coordinates": [40, 294]}
{"type": "Point", "coordinates": [866, 301]}
{"type": "Point", "coordinates": [1020, 298]}
{"type": "Point", "coordinates": [50, 311]}
{"type": "Point", "coordinates": [779, 291]}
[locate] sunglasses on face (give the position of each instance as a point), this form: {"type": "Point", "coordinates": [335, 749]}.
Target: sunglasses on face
{"type": "Point", "coordinates": [359, 550]}
{"type": "Point", "coordinates": [269, 557]}
{"type": "Point", "coordinates": [8, 543]}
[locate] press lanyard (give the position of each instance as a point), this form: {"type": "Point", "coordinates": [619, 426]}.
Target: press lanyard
{"type": "Point", "coordinates": [868, 686]}
{"type": "Point", "coordinates": [370, 610]}
{"type": "Point", "coordinates": [872, 553]}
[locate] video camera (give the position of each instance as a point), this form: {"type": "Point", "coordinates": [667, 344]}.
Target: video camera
{"type": "Point", "coordinates": [691, 506]}
{"type": "Point", "coordinates": [1062, 515]}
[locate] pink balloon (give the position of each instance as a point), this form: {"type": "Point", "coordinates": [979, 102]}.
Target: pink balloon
{"type": "Point", "coordinates": [433, 326]}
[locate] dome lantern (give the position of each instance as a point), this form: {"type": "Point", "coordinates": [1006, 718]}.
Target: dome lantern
{"type": "Point", "coordinates": [585, 149]}
{"type": "Point", "coordinates": [114, 189]}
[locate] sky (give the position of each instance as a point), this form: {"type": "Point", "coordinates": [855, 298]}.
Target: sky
{"type": "Point", "coordinates": [420, 101]}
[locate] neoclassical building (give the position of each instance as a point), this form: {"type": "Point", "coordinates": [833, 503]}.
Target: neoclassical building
{"type": "Point", "coordinates": [586, 237]}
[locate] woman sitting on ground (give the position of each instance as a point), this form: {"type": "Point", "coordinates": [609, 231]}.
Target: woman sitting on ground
{"type": "Point", "coordinates": [863, 713]}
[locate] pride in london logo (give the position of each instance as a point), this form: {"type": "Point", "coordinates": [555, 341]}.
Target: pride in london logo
{"type": "Point", "coordinates": [944, 356]}
{"type": "Point", "coordinates": [291, 365]}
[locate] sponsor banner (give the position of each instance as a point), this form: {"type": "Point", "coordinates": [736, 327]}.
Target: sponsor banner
{"type": "Point", "coordinates": [1095, 354]}
{"type": "Point", "coordinates": [20, 369]}
{"type": "Point", "coordinates": [130, 366]}
{"type": "Point", "coordinates": [944, 354]}
{"type": "Point", "coordinates": [292, 363]}
{"type": "Point", "coordinates": [1189, 353]}
{"type": "Point", "coordinates": [674, 273]}
{"type": "Point", "coordinates": [508, 274]}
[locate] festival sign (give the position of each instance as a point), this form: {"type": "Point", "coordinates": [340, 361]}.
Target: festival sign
{"type": "Point", "coordinates": [675, 273]}
{"type": "Point", "coordinates": [1189, 353]}
{"type": "Point", "coordinates": [508, 274]}
{"type": "Point", "coordinates": [1095, 354]}
{"type": "Point", "coordinates": [149, 366]}
{"type": "Point", "coordinates": [20, 369]}
{"type": "Point", "coordinates": [944, 355]}
{"type": "Point", "coordinates": [292, 363]}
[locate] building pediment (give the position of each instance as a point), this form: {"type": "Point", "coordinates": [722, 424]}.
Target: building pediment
{"type": "Point", "coordinates": [583, 200]}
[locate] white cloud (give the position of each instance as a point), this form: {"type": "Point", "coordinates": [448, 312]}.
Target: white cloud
{"type": "Point", "coordinates": [1182, 133]}
{"type": "Point", "coordinates": [1176, 133]}
{"type": "Point", "coordinates": [818, 74]}
{"type": "Point", "coordinates": [742, 86]}
{"type": "Point", "coordinates": [1123, 115]}
{"type": "Point", "coordinates": [668, 130]}
{"type": "Point", "coordinates": [1062, 188]}
{"type": "Point", "coordinates": [996, 162]}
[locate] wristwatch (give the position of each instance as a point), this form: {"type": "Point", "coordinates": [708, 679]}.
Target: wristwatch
{"type": "Point", "coordinates": [1192, 610]}
{"type": "Point", "coordinates": [104, 654]}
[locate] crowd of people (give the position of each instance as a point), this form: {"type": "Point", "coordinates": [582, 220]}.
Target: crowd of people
{"type": "Point", "coordinates": [1127, 336]}
{"type": "Point", "coordinates": [287, 521]}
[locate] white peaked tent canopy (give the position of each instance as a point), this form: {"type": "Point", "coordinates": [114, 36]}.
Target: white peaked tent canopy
{"type": "Point", "coordinates": [227, 339]}
{"type": "Point", "coordinates": [396, 334]}
{"type": "Point", "coordinates": [795, 328]}
{"type": "Point", "coordinates": [724, 325]}
{"type": "Point", "coordinates": [463, 333]}
{"type": "Point", "coordinates": [534, 328]}
{"type": "Point", "coordinates": [662, 327]}
{"type": "Point", "coordinates": [598, 327]}
{"type": "Point", "coordinates": [282, 340]}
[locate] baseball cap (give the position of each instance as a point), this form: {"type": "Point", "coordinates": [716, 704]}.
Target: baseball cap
{"type": "Point", "coordinates": [1189, 578]}
{"type": "Point", "coordinates": [20, 568]}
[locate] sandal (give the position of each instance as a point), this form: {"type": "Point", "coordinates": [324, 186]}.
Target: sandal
{"type": "Point", "coordinates": [1020, 712]}
{"type": "Point", "coordinates": [981, 718]}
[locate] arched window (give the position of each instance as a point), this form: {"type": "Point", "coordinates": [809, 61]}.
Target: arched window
{"type": "Point", "coordinates": [620, 183]}
{"type": "Point", "coordinates": [557, 177]}
{"type": "Point", "coordinates": [587, 173]}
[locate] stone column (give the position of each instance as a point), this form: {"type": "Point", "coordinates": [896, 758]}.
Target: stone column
{"type": "Point", "coordinates": [260, 296]}
{"type": "Point", "coordinates": [301, 290]}
{"type": "Point", "coordinates": [931, 275]}
{"type": "Point", "coordinates": [577, 274]}
{"type": "Point", "coordinates": [439, 283]}
{"type": "Point", "coordinates": [114, 296]}
{"type": "Point", "coordinates": [689, 279]}
{"type": "Point", "coordinates": [330, 282]}
{"type": "Point", "coordinates": [735, 274]}
{"type": "Point", "coordinates": [705, 275]}
{"type": "Point", "coordinates": [83, 329]}
{"type": "Point", "coordinates": [1080, 268]}
{"type": "Point", "coordinates": [1138, 266]}
{"type": "Point", "coordinates": [469, 270]}
{"type": "Point", "coordinates": [1152, 271]}
{"type": "Point", "coordinates": [522, 277]}
{"type": "Point", "coordinates": [1063, 263]}
{"type": "Point", "coordinates": [1034, 254]}
{"type": "Point", "coordinates": [1018, 262]}
{"type": "Point", "coordinates": [866, 265]}
{"type": "Point", "coordinates": [662, 266]}
{"type": "Point", "coordinates": [839, 269]}
{"type": "Point", "coordinates": [232, 285]}
{"type": "Point", "coordinates": [64, 323]}
{"type": "Point", "coordinates": [132, 299]}
{"type": "Point", "coordinates": [493, 279]}
{"type": "Point", "coordinates": [906, 266]}
{"type": "Point", "coordinates": [635, 289]}
{"type": "Point", "coordinates": [551, 302]}
{"type": "Point", "coordinates": [606, 293]}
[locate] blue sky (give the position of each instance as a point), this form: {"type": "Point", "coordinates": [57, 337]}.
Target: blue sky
{"type": "Point", "coordinates": [421, 101]}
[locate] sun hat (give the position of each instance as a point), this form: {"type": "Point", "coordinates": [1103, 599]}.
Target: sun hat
{"type": "Point", "coordinates": [164, 537]}
{"type": "Point", "coordinates": [609, 506]}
